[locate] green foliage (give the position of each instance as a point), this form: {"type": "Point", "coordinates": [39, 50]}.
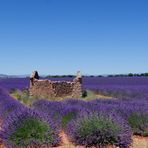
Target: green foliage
{"type": "Point", "coordinates": [31, 130]}
{"type": "Point", "coordinates": [89, 95]}
{"type": "Point", "coordinates": [23, 96]}
{"type": "Point", "coordinates": [144, 74]}
{"type": "Point", "coordinates": [16, 93]}
{"type": "Point", "coordinates": [84, 94]}
{"type": "Point", "coordinates": [130, 75]}
{"type": "Point", "coordinates": [99, 130]}
{"type": "Point", "coordinates": [89, 126]}
{"type": "Point", "coordinates": [60, 76]}
{"type": "Point", "coordinates": [139, 123]}
{"type": "Point", "coordinates": [67, 118]}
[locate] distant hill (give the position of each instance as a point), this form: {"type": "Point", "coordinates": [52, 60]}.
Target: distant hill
{"type": "Point", "coordinates": [13, 76]}
{"type": "Point", "coordinates": [3, 76]}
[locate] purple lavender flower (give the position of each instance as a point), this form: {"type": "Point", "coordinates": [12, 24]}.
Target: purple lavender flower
{"type": "Point", "coordinates": [51, 109]}
{"type": "Point", "coordinates": [25, 127]}
{"type": "Point", "coordinates": [99, 130]}
{"type": "Point", "coordinates": [14, 83]}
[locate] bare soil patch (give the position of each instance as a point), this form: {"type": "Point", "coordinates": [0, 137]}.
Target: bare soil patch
{"type": "Point", "coordinates": [140, 142]}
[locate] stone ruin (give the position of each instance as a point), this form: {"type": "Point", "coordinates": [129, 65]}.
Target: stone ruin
{"type": "Point", "coordinates": [44, 88]}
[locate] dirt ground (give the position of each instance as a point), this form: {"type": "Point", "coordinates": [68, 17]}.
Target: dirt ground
{"type": "Point", "coordinates": [140, 142]}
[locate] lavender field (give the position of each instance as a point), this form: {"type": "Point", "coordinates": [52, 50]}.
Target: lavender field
{"type": "Point", "coordinates": [97, 122]}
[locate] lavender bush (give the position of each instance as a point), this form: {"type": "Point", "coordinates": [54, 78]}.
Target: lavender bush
{"type": "Point", "coordinates": [99, 130]}
{"type": "Point", "coordinates": [136, 113]}
{"type": "Point", "coordinates": [139, 123]}
{"type": "Point", "coordinates": [25, 127]}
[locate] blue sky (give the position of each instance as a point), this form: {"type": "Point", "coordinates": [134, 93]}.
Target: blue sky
{"type": "Point", "coordinates": [63, 36]}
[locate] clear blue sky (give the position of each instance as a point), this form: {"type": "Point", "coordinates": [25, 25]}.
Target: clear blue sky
{"type": "Point", "coordinates": [63, 36]}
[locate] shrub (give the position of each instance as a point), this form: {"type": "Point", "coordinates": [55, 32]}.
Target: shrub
{"type": "Point", "coordinates": [23, 96]}
{"type": "Point", "coordinates": [139, 123]}
{"type": "Point", "coordinates": [16, 93]}
{"type": "Point", "coordinates": [31, 130]}
{"type": "Point", "coordinates": [136, 114]}
{"type": "Point", "coordinates": [84, 94]}
{"type": "Point", "coordinates": [89, 95]}
{"type": "Point", "coordinates": [25, 128]}
{"type": "Point", "coordinates": [99, 130]}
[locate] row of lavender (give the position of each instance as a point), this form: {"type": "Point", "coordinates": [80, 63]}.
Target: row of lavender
{"type": "Point", "coordinates": [119, 87]}
{"type": "Point", "coordinates": [14, 83]}
{"type": "Point", "coordinates": [89, 123]}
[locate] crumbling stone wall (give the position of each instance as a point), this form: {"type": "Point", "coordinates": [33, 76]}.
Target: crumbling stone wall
{"type": "Point", "coordinates": [52, 89]}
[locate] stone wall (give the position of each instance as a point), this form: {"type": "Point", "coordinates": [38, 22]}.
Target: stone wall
{"type": "Point", "coordinates": [52, 89]}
